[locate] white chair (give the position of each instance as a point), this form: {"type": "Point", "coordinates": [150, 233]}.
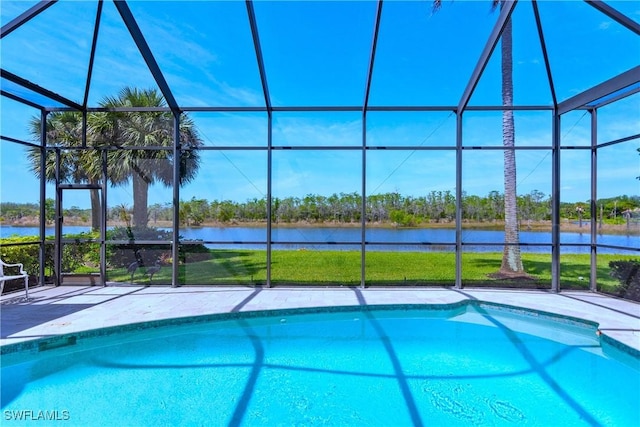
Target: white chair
{"type": "Point", "coordinates": [22, 275]}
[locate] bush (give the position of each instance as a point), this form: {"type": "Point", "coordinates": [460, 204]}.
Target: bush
{"type": "Point", "coordinates": [12, 252]}
{"type": "Point", "coordinates": [628, 273]}
{"type": "Point", "coordinates": [402, 218]}
{"type": "Point", "coordinates": [74, 255]}
{"type": "Point", "coordinates": [194, 253]}
{"type": "Point", "coordinates": [81, 252]}
{"type": "Point", "coordinates": [122, 255]}
{"type": "Point", "coordinates": [84, 252]}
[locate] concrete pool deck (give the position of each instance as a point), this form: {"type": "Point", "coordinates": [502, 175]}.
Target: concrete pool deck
{"type": "Point", "coordinates": [60, 310]}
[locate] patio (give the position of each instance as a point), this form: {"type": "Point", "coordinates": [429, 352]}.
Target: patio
{"type": "Point", "coordinates": [67, 309]}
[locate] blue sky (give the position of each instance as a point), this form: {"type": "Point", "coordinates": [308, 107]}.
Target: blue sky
{"type": "Point", "coordinates": [317, 54]}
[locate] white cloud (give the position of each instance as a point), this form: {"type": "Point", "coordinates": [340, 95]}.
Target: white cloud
{"type": "Point", "coordinates": [295, 130]}
{"type": "Point", "coordinates": [604, 25]}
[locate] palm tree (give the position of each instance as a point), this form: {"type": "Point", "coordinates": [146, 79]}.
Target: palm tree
{"type": "Point", "coordinates": [144, 129]}
{"type": "Point", "coordinates": [64, 130]}
{"type": "Point", "coordinates": [511, 257]}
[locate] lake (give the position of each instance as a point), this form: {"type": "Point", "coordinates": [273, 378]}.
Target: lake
{"type": "Point", "coordinates": [340, 238]}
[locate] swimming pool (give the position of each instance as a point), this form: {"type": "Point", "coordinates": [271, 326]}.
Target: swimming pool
{"type": "Point", "coordinates": [468, 363]}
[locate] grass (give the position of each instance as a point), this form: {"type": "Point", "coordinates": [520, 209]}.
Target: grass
{"type": "Point", "coordinates": [303, 267]}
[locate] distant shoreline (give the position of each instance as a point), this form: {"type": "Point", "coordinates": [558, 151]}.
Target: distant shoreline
{"type": "Point", "coordinates": [565, 225]}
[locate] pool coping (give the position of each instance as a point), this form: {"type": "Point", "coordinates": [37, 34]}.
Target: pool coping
{"type": "Point", "coordinates": [59, 341]}
{"type": "Point", "coordinates": [119, 308]}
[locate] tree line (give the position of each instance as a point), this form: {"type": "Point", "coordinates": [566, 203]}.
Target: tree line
{"type": "Point", "coordinates": [435, 207]}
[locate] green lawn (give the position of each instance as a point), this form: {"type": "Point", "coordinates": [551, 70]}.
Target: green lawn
{"type": "Point", "coordinates": [382, 268]}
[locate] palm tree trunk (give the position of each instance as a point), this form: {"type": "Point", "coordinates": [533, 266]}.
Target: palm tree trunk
{"type": "Point", "coordinates": [140, 195]}
{"type": "Point", "coordinates": [511, 259]}
{"type": "Point", "coordinates": [96, 212]}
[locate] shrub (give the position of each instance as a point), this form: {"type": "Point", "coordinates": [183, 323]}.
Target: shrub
{"type": "Point", "coordinates": [82, 251]}
{"type": "Point", "coordinates": [123, 254]}
{"type": "Point", "coordinates": [146, 254]}
{"type": "Point", "coordinates": [628, 273]}
{"type": "Point", "coordinates": [402, 218]}
{"type": "Point", "coordinates": [12, 251]}
{"type": "Point", "coordinates": [194, 253]}
{"type": "Point", "coordinates": [74, 255]}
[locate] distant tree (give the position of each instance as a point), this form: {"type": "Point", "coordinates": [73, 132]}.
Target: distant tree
{"type": "Point", "coordinates": [49, 210]}
{"type": "Point", "coordinates": [197, 210]}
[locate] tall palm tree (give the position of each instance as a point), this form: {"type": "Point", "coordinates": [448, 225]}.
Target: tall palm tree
{"type": "Point", "coordinates": [144, 129]}
{"type": "Point", "coordinates": [64, 130]}
{"type": "Point", "coordinates": [511, 257]}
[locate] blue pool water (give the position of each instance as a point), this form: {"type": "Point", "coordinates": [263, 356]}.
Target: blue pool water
{"type": "Point", "coordinates": [465, 364]}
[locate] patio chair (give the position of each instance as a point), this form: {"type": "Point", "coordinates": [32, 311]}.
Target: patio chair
{"type": "Point", "coordinates": [22, 275]}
